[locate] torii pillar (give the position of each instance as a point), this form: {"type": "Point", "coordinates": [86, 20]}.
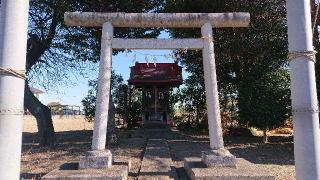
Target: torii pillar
{"type": "Point", "coordinates": [100, 157]}
{"type": "Point", "coordinates": [13, 45]}
{"type": "Point", "coordinates": [303, 90]}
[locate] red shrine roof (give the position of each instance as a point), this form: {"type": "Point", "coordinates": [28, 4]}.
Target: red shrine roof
{"type": "Point", "coordinates": [156, 74]}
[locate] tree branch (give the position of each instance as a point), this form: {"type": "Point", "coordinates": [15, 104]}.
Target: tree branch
{"type": "Point", "coordinates": [37, 47]}
{"type": "Point", "coordinates": [315, 18]}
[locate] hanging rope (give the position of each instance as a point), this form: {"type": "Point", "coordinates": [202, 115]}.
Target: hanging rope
{"type": "Point", "coordinates": [155, 61]}
{"type": "Point", "coordinates": [16, 73]}
{"type": "Point", "coordinates": [166, 56]}
{"type": "Point", "coordinates": [305, 110]}
{"type": "Point", "coordinates": [311, 55]}
{"type": "Point", "coordinates": [147, 61]}
{"type": "Point", "coordinates": [11, 111]}
{"type": "Point", "coordinates": [134, 59]}
{"type": "Point", "coordinates": [149, 57]}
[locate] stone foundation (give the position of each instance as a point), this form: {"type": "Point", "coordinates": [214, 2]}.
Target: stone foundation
{"type": "Point", "coordinates": [220, 157]}
{"type": "Point", "coordinates": [70, 171]}
{"type": "Point", "coordinates": [96, 160]}
{"type": "Point", "coordinates": [245, 170]}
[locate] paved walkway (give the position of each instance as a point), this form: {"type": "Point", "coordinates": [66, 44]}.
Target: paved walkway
{"type": "Point", "coordinates": [157, 163]}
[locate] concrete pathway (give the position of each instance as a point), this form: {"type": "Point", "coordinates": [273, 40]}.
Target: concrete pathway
{"type": "Point", "coordinates": [157, 163]}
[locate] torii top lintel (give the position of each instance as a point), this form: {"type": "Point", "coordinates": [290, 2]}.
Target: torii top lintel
{"type": "Point", "coordinates": [145, 20]}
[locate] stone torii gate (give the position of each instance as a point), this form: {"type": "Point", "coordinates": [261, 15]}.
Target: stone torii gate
{"type": "Point", "coordinates": [13, 40]}
{"type": "Point", "coordinates": [205, 21]}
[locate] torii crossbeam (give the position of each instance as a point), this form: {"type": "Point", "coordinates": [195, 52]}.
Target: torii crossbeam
{"type": "Point", "coordinates": [169, 20]}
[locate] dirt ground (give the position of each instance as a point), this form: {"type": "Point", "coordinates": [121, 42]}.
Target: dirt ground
{"type": "Point", "coordinates": [276, 157]}
{"type": "Point", "coordinates": [61, 123]}
{"type": "Point", "coordinates": [74, 139]}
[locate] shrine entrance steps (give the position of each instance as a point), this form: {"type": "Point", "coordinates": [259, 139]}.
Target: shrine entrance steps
{"type": "Point", "coordinates": [158, 133]}
{"type": "Point", "coordinates": [156, 126]}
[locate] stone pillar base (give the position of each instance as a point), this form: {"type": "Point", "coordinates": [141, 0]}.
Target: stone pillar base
{"type": "Point", "coordinates": [219, 157]}
{"type": "Point", "coordinates": [245, 170]}
{"type": "Point", "coordinates": [96, 160]}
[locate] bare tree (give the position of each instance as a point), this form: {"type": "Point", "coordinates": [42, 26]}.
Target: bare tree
{"type": "Point", "coordinates": [55, 50]}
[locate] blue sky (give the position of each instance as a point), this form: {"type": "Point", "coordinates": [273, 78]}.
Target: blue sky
{"type": "Point", "coordinates": [73, 94]}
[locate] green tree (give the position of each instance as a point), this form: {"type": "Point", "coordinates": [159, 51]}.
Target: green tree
{"type": "Point", "coordinates": [315, 14]}
{"type": "Point", "coordinates": [242, 54]}
{"type": "Point", "coordinates": [127, 101]}
{"type": "Point", "coordinates": [89, 102]}
{"type": "Point", "coordinates": [134, 106]}
{"type": "Point", "coordinates": [128, 104]}
{"type": "Point", "coordinates": [121, 99]}
{"type": "Point", "coordinates": [55, 50]}
{"type": "Point", "coordinates": [192, 107]}
{"type": "Point", "coordinates": [265, 102]}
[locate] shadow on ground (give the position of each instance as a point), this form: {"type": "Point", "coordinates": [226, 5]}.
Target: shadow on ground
{"type": "Point", "coordinates": [278, 152]}
{"type": "Point", "coordinates": [37, 161]}
{"type": "Point", "coordinates": [31, 175]}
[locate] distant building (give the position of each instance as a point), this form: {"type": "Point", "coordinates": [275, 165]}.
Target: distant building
{"type": "Point", "coordinates": [36, 92]}
{"type": "Point", "coordinates": [58, 109]}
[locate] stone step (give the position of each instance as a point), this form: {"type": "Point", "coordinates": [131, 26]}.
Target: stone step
{"type": "Point", "coordinates": [156, 126]}
{"type": "Point", "coordinates": [157, 163]}
{"type": "Point", "coordinates": [70, 171]}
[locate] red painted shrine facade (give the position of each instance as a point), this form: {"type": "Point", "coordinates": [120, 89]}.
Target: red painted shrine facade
{"type": "Point", "coordinates": [155, 80]}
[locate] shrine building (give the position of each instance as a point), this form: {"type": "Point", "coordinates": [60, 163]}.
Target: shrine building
{"type": "Point", "coordinates": [155, 81]}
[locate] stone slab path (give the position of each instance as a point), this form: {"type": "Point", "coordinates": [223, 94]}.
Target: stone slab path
{"type": "Point", "coordinates": [157, 163]}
